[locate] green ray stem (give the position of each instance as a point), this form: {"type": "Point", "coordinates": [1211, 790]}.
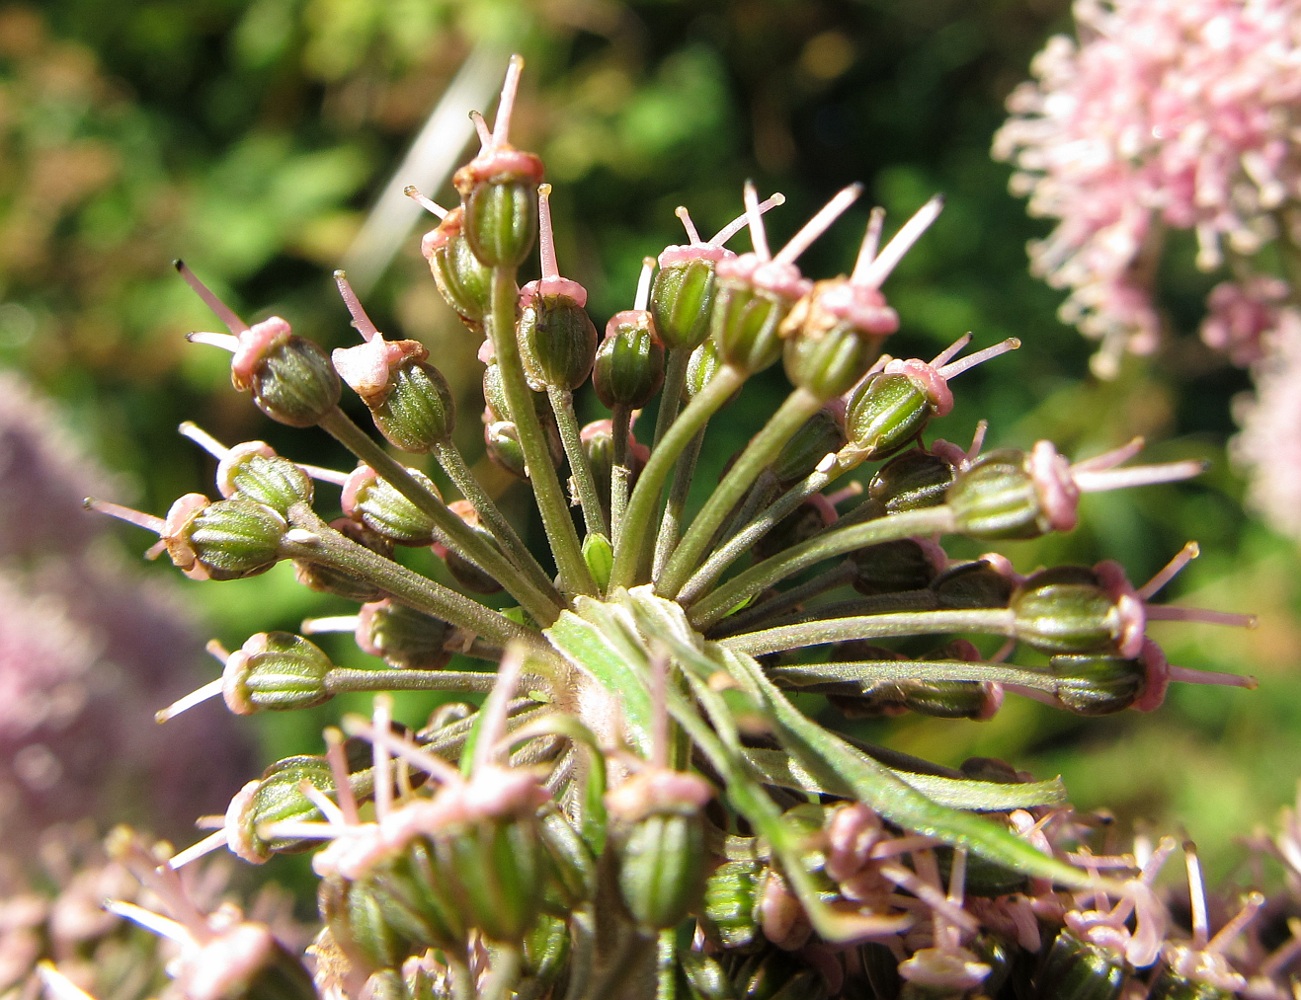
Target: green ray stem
{"type": "Point", "coordinates": [541, 606]}
{"type": "Point", "coordinates": [562, 404]}
{"type": "Point", "coordinates": [826, 545]}
{"type": "Point", "coordinates": [793, 414]}
{"type": "Point", "coordinates": [991, 621]}
{"type": "Point", "coordinates": [847, 459]}
{"type": "Point", "coordinates": [458, 471]}
{"type": "Point", "coordinates": [550, 495]}
{"type": "Point", "coordinates": [328, 547]}
{"type": "Point", "coordinates": [632, 555]}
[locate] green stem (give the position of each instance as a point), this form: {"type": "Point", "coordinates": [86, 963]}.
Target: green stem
{"type": "Point", "coordinates": [547, 491]}
{"type": "Point", "coordinates": [632, 557]}
{"type": "Point", "coordinates": [993, 621]}
{"type": "Point", "coordinates": [744, 540]}
{"type": "Point", "coordinates": [770, 611]}
{"type": "Point", "coordinates": [458, 471]}
{"type": "Point", "coordinates": [830, 543]}
{"type": "Point", "coordinates": [827, 756]}
{"type": "Point", "coordinates": [837, 576]}
{"type": "Point", "coordinates": [328, 547]}
{"type": "Point", "coordinates": [507, 961]}
{"type": "Point", "coordinates": [542, 607]}
{"type": "Point", "coordinates": [675, 380]}
{"type": "Point", "coordinates": [666, 966]}
{"type": "Point", "coordinates": [793, 414]}
{"type": "Point", "coordinates": [816, 676]}
{"type": "Point", "coordinates": [670, 531]}
{"type": "Point", "coordinates": [562, 404]}
{"type": "Point", "coordinates": [620, 469]}
{"type": "Point", "coordinates": [343, 680]}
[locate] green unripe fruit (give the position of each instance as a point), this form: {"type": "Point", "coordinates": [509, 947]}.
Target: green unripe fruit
{"type": "Point", "coordinates": [1077, 970]}
{"type": "Point", "coordinates": [376, 504]}
{"type": "Point", "coordinates": [911, 481]}
{"type": "Point", "coordinates": [226, 540]}
{"type": "Point", "coordinates": [1097, 685]}
{"type": "Point", "coordinates": [995, 497]}
{"type": "Point", "coordinates": [681, 299]}
{"type": "Point", "coordinates": [464, 282]}
{"type": "Point", "coordinates": [1065, 609]}
{"type": "Point", "coordinates": [359, 924]}
{"type": "Point", "coordinates": [821, 435]}
{"type": "Point", "coordinates": [499, 200]}
{"type": "Point", "coordinates": [557, 340]}
{"type": "Point", "coordinates": [659, 836]}
{"type": "Point", "coordinates": [277, 795]}
{"type": "Point", "coordinates": [276, 671]}
{"type": "Point", "coordinates": [731, 902]}
{"type": "Point", "coordinates": [629, 366]}
{"type": "Point", "coordinates": [255, 472]}
{"type": "Point", "coordinates": [403, 637]}
{"type": "Point", "coordinates": [886, 412]}
{"type": "Point", "coordinates": [702, 366]}
{"type": "Point", "coordinates": [419, 411]}
{"type": "Point", "coordinates": [291, 379]}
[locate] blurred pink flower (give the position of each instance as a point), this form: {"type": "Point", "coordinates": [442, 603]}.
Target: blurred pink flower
{"type": "Point", "coordinates": [1240, 313]}
{"type": "Point", "coordinates": [1269, 446]}
{"type": "Point", "coordinates": [1181, 114]}
{"type": "Point", "coordinates": [88, 652]}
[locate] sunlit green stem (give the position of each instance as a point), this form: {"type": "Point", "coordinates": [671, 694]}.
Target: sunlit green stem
{"type": "Point", "coordinates": [743, 541]}
{"type": "Point", "coordinates": [549, 494]}
{"type": "Point", "coordinates": [793, 414]}
{"type": "Point", "coordinates": [675, 380]}
{"type": "Point", "coordinates": [458, 471]}
{"type": "Point", "coordinates": [620, 468]}
{"type": "Point", "coordinates": [828, 544]}
{"type": "Point", "coordinates": [770, 611]}
{"type": "Point", "coordinates": [319, 543]}
{"type": "Point", "coordinates": [819, 675]}
{"type": "Point", "coordinates": [541, 606]}
{"type": "Point", "coordinates": [343, 680]}
{"type": "Point", "coordinates": [670, 531]}
{"type": "Point", "coordinates": [632, 557]}
{"type": "Point", "coordinates": [562, 404]}
{"type": "Point", "coordinates": [837, 576]}
{"type": "Point", "coordinates": [822, 752]}
{"type": "Point", "coordinates": [990, 621]}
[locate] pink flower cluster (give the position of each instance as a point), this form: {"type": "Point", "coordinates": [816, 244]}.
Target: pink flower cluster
{"type": "Point", "coordinates": [1182, 114]}
{"type": "Point", "coordinates": [1269, 445]}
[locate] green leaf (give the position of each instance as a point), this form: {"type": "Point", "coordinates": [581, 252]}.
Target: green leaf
{"type": "Point", "coordinates": [601, 641]}
{"type": "Point", "coordinates": [776, 767]}
{"type": "Point", "coordinates": [833, 761]}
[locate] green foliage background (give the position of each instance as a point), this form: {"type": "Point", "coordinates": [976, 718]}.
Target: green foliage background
{"type": "Point", "coordinates": [253, 137]}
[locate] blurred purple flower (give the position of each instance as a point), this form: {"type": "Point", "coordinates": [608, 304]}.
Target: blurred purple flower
{"type": "Point", "coordinates": [88, 652]}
